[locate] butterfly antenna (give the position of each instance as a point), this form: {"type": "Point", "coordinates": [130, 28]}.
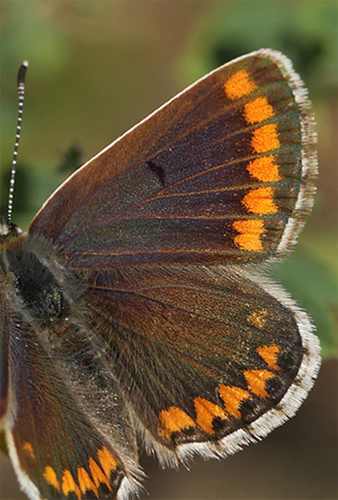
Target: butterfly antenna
{"type": "Point", "coordinates": [21, 96]}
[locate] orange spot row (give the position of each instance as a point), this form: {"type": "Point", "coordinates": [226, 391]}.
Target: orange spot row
{"type": "Point", "coordinates": [264, 139]}
{"type": "Point", "coordinates": [176, 420]}
{"type": "Point", "coordinates": [259, 201]}
{"type": "Point", "coordinates": [84, 481]}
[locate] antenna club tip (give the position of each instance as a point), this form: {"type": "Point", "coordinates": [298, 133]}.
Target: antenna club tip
{"type": "Point", "coordinates": [25, 63]}
{"type": "Point", "coordinates": [22, 72]}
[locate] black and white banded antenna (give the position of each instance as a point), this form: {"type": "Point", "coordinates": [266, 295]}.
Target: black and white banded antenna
{"type": "Point", "coordinates": [21, 96]}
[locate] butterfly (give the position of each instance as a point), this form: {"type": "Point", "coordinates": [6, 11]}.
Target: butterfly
{"type": "Point", "coordinates": [136, 311]}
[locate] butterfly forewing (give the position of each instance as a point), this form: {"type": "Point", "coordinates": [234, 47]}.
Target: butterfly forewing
{"type": "Point", "coordinates": [212, 176]}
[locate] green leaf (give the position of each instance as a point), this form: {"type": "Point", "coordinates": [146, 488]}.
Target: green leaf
{"type": "Point", "coordinates": [314, 287]}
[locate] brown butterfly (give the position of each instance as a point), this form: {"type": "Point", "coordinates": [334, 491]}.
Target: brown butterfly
{"type": "Point", "coordinates": [135, 310]}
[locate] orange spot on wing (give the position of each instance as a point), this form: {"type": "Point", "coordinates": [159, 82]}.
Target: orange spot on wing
{"type": "Point", "coordinates": [174, 419]}
{"type": "Point", "coordinates": [69, 485]}
{"type": "Point", "coordinates": [265, 138]}
{"type": "Point", "coordinates": [51, 478]}
{"type": "Point", "coordinates": [239, 85]}
{"type": "Point", "coordinates": [258, 318]}
{"type": "Point", "coordinates": [270, 355]}
{"type": "Point", "coordinates": [256, 380]}
{"type": "Point", "coordinates": [97, 474]}
{"type": "Point", "coordinates": [258, 110]}
{"type": "Point", "coordinates": [206, 412]}
{"type": "Point", "coordinates": [232, 398]}
{"type": "Point", "coordinates": [250, 232]}
{"type": "Point", "coordinates": [260, 201]}
{"type": "Point", "coordinates": [264, 169]}
{"type": "Point", "coordinates": [28, 448]}
{"type": "Point", "coordinates": [107, 461]}
{"type": "Point", "coordinates": [85, 483]}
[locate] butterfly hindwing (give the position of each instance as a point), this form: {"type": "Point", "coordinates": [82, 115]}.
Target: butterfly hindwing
{"type": "Point", "coordinates": [197, 364]}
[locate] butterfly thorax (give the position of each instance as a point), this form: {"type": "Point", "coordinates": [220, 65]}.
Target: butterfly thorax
{"type": "Point", "coordinates": [36, 278]}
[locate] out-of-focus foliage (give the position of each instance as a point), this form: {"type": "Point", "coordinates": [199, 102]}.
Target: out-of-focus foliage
{"type": "Point", "coordinates": [305, 31]}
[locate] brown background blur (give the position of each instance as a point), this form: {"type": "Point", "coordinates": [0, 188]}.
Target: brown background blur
{"type": "Point", "coordinates": [96, 69]}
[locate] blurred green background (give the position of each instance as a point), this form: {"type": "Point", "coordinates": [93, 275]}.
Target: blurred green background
{"type": "Point", "coordinates": [97, 68]}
